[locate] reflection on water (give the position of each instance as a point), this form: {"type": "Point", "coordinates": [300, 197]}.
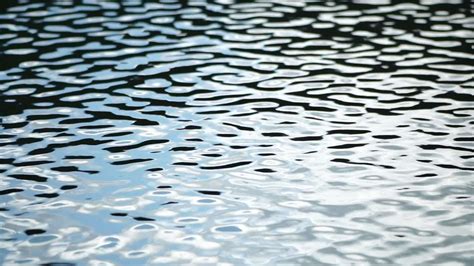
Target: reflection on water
{"type": "Point", "coordinates": [274, 132]}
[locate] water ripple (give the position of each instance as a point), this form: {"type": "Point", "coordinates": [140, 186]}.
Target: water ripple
{"type": "Point", "coordinates": [236, 133]}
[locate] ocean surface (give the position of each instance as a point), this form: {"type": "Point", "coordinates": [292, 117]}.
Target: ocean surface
{"type": "Point", "coordinates": [237, 133]}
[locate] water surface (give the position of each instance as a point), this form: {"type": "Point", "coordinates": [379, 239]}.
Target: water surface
{"type": "Point", "coordinates": [273, 132]}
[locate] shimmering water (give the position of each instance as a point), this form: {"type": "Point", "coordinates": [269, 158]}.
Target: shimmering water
{"type": "Point", "coordinates": [275, 132]}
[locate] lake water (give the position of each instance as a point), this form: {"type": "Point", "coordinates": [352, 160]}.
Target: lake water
{"type": "Point", "coordinates": [226, 133]}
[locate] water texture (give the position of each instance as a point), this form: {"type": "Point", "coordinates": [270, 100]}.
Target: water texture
{"type": "Point", "coordinates": [251, 133]}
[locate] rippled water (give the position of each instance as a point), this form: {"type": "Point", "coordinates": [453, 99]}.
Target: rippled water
{"type": "Point", "coordinates": [274, 132]}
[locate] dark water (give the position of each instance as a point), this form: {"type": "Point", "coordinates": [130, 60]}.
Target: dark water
{"type": "Point", "coordinates": [274, 132]}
